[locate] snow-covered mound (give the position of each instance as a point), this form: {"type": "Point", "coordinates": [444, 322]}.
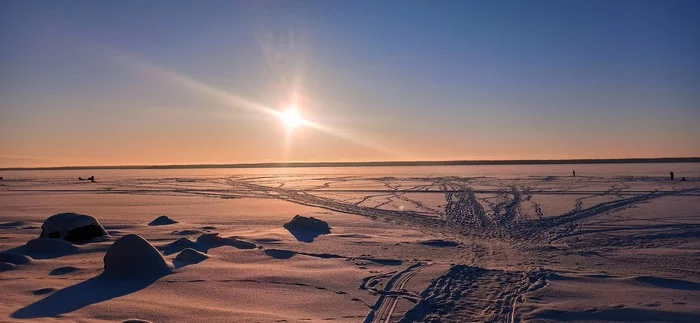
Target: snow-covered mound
{"type": "Point", "coordinates": [163, 220]}
{"type": "Point", "coordinates": [48, 246]}
{"type": "Point", "coordinates": [207, 240]}
{"type": "Point", "coordinates": [72, 227]}
{"type": "Point", "coordinates": [184, 242]}
{"type": "Point", "coordinates": [309, 224]}
{"type": "Point", "coordinates": [191, 255]}
{"type": "Point", "coordinates": [133, 257]}
{"type": "Point", "coordinates": [5, 266]}
{"type": "Point", "coordinates": [14, 258]}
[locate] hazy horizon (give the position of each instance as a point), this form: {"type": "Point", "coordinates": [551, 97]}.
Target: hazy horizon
{"type": "Point", "coordinates": [176, 82]}
{"type": "Point", "coordinates": [380, 163]}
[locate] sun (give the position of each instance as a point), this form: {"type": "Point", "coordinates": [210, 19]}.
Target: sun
{"type": "Point", "coordinates": [291, 117]}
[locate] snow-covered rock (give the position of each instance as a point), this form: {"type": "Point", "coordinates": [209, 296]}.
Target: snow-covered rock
{"type": "Point", "coordinates": [5, 266]}
{"type": "Point", "coordinates": [163, 220]}
{"type": "Point", "coordinates": [14, 258]}
{"type": "Point", "coordinates": [47, 246]}
{"type": "Point", "coordinates": [191, 255]}
{"type": "Point", "coordinates": [133, 257]}
{"type": "Point", "coordinates": [72, 227]}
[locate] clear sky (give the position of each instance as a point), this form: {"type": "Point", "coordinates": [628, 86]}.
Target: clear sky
{"type": "Point", "coordinates": [179, 82]}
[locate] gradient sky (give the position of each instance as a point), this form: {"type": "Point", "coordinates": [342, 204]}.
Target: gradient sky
{"type": "Point", "coordinates": [179, 82]}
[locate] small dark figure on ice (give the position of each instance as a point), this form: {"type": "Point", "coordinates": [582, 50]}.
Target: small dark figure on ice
{"type": "Point", "coordinates": [91, 178]}
{"type": "Point", "coordinates": [671, 175]}
{"type": "Point", "coordinates": [574, 173]}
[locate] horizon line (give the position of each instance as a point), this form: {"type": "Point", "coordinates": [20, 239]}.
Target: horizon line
{"type": "Point", "coordinates": [378, 163]}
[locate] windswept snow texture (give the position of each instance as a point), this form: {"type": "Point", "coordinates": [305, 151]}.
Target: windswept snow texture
{"type": "Point", "coordinates": [616, 243]}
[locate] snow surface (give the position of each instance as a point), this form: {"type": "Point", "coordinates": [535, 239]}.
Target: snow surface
{"type": "Point", "coordinates": [508, 244]}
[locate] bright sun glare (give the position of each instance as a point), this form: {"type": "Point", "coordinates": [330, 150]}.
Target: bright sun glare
{"type": "Point", "coordinates": [291, 117]}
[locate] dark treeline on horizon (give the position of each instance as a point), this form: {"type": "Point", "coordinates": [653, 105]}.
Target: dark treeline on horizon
{"type": "Point", "coordinates": [384, 163]}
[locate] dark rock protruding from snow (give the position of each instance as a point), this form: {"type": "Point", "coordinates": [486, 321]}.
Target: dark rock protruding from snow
{"type": "Point", "coordinates": [306, 229]}
{"type": "Point", "coordinates": [308, 224]}
{"type": "Point", "coordinates": [163, 220]}
{"type": "Point", "coordinates": [133, 257]}
{"type": "Point", "coordinates": [72, 227]}
{"type": "Point", "coordinates": [191, 255]}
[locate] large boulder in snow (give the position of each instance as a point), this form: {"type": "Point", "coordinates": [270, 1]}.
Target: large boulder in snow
{"type": "Point", "coordinates": [72, 227]}
{"type": "Point", "coordinates": [133, 257]}
{"type": "Point", "coordinates": [306, 229]}
{"type": "Point", "coordinates": [309, 224]}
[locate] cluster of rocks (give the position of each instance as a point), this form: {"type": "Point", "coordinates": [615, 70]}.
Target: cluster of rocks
{"type": "Point", "coordinates": [130, 256]}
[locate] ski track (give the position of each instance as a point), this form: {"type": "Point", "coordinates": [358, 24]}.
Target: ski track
{"type": "Point", "coordinates": [383, 309]}
{"type": "Point", "coordinates": [472, 294]}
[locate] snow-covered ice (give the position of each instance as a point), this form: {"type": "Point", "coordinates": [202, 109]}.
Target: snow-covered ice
{"type": "Point", "coordinates": [453, 244]}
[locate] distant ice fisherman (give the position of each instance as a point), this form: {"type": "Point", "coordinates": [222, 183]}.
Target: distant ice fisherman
{"type": "Point", "coordinates": [671, 175]}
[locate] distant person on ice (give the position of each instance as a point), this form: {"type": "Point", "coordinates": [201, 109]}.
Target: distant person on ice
{"type": "Point", "coordinates": [671, 175]}
{"type": "Point", "coordinates": [574, 173]}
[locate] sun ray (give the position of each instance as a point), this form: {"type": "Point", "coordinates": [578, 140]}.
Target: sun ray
{"type": "Point", "coordinates": [292, 119]}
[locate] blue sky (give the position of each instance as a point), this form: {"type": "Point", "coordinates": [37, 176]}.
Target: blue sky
{"type": "Point", "coordinates": [386, 80]}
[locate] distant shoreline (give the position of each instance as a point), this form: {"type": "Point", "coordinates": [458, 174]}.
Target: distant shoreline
{"type": "Point", "coordinates": [382, 164]}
